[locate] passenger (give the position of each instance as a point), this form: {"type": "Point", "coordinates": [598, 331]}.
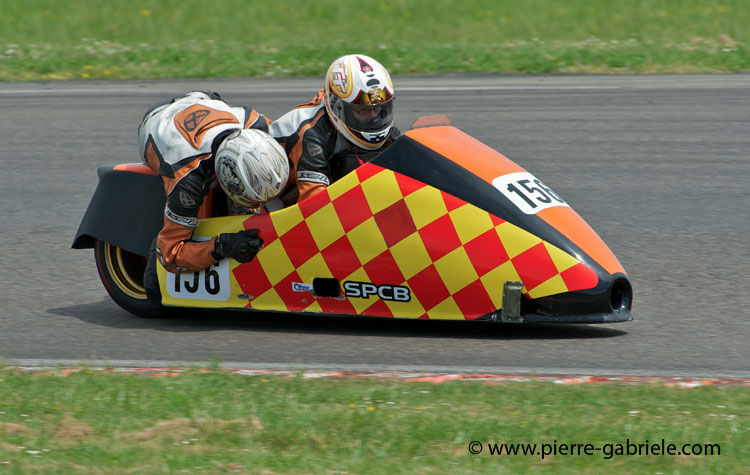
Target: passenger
{"type": "Point", "coordinates": [192, 141]}
{"type": "Point", "coordinates": [352, 114]}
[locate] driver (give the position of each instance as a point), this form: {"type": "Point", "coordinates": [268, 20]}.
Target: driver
{"type": "Point", "coordinates": [192, 141]}
{"type": "Point", "coordinates": [352, 114]}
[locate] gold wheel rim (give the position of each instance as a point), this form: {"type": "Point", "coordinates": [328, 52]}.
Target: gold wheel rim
{"type": "Point", "coordinates": [126, 269]}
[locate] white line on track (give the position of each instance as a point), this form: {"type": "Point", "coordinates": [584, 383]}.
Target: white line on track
{"type": "Point", "coordinates": [407, 83]}
{"type": "Point", "coordinates": [140, 90]}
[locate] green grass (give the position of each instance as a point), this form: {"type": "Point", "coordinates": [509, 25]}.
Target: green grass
{"type": "Point", "coordinates": [49, 39]}
{"type": "Point", "coordinates": [211, 421]}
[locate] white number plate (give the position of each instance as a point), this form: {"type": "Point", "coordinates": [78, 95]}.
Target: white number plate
{"type": "Point", "coordinates": [527, 192]}
{"type": "Point", "coordinates": [208, 284]}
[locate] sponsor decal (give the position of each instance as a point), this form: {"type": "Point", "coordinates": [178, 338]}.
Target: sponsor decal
{"type": "Point", "coordinates": [315, 177]}
{"type": "Point", "coordinates": [364, 290]}
{"type": "Point", "coordinates": [301, 287]}
{"type": "Point", "coordinates": [186, 200]}
{"type": "Point", "coordinates": [193, 120]}
{"type": "Point", "coordinates": [188, 221]}
{"type": "Point", "coordinates": [341, 80]}
{"type": "Point", "coordinates": [314, 149]}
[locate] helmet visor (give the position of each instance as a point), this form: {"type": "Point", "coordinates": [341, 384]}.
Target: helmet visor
{"type": "Point", "coordinates": [369, 117]}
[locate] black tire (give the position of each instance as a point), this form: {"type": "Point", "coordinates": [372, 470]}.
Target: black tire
{"type": "Point", "coordinates": [121, 273]}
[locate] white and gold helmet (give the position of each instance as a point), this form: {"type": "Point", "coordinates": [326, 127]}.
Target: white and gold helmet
{"type": "Point", "coordinates": [359, 99]}
{"type": "Point", "coordinates": [251, 167]}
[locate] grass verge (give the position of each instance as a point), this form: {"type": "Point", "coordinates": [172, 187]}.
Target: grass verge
{"type": "Point", "coordinates": [46, 39]}
{"type": "Point", "coordinates": [212, 421]}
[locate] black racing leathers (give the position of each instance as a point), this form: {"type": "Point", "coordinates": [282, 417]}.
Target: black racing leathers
{"type": "Point", "coordinates": [178, 140]}
{"type": "Point", "coordinates": [319, 153]}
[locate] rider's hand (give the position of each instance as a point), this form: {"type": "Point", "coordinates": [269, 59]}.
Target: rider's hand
{"type": "Point", "coordinates": [241, 246]}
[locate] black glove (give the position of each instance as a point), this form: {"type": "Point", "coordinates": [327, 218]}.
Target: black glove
{"type": "Point", "coordinates": [241, 246]}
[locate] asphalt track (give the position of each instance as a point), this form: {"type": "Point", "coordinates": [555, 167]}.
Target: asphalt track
{"type": "Point", "coordinates": [658, 165]}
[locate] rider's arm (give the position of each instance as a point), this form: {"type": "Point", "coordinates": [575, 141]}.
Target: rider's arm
{"type": "Point", "coordinates": [313, 173]}
{"type": "Point", "coordinates": [175, 248]}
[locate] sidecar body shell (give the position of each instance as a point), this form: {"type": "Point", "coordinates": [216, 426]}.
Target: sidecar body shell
{"type": "Point", "coordinates": [435, 227]}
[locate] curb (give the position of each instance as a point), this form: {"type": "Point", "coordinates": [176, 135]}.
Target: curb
{"type": "Point", "coordinates": [423, 377]}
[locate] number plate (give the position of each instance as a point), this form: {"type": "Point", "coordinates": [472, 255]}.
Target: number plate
{"type": "Point", "coordinates": [527, 192]}
{"type": "Point", "coordinates": [208, 284]}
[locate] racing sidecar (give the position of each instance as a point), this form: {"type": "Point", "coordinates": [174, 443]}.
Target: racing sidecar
{"type": "Point", "coordinates": [437, 226]}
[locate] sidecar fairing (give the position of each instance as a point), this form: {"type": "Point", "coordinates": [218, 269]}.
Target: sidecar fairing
{"type": "Point", "coordinates": [438, 226]}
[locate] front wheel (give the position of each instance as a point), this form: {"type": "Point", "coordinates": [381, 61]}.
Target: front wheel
{"type": "Point", "coordinates": [121, 273]}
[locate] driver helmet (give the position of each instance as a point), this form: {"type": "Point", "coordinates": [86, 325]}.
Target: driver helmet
{"type": "Point", "coordinates": [359, 99]}
{"type": "Point", "coordinates": [251, 167]}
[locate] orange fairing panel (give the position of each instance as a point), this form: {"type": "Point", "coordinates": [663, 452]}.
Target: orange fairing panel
{"type": "Point", "coordinates": [135, 168]}
{"type": "Point", "coordinates": [431, 121]}
{"type": "Point", "coordinates": [470, 153]}
{"type": "Point", "coordinates": [572, 226]}
{"type": "Point", "coordinates": [488, 164]}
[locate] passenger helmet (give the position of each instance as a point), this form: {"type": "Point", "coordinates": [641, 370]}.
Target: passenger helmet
{"type": "Point", "coordinates": [251, 167]}
{"type": "Point", "coordinates": [359, 99]}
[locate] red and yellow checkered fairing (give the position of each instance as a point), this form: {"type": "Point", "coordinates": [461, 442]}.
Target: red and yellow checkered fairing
{"type": "Point", "coordinates": [383, 229]}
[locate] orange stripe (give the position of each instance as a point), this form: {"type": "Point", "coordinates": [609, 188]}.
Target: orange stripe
{"type": "Point", "coordinates": [206, 209]}
{"type": "Point", "coordinates": [315, 101]}
{"type": "Point", "coordinates": [252, 118]}
{"type": "Point", "coordinates": [135, 168]}
{"type": "Point", "coordinates": [190, 166]}
{"type": "Point", "coordinates": [297, 149]}
{"type": "Point", "coordinates": [169, 183]}
{"type": "Point", "coordinates": [489, 164]}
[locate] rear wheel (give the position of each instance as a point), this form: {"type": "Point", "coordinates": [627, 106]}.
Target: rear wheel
{"type": "Point", "coordinates": [121, 273]}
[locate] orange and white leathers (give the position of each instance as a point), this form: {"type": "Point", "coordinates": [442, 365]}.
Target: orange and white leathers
{"type": "Point", "coordinates": [310, 140]}
{"type": "Point", "coordinates": [178, 140]}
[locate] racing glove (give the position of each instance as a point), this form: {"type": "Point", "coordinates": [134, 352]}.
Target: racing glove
{"type": "Point", "coordinates": [241, 246]}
